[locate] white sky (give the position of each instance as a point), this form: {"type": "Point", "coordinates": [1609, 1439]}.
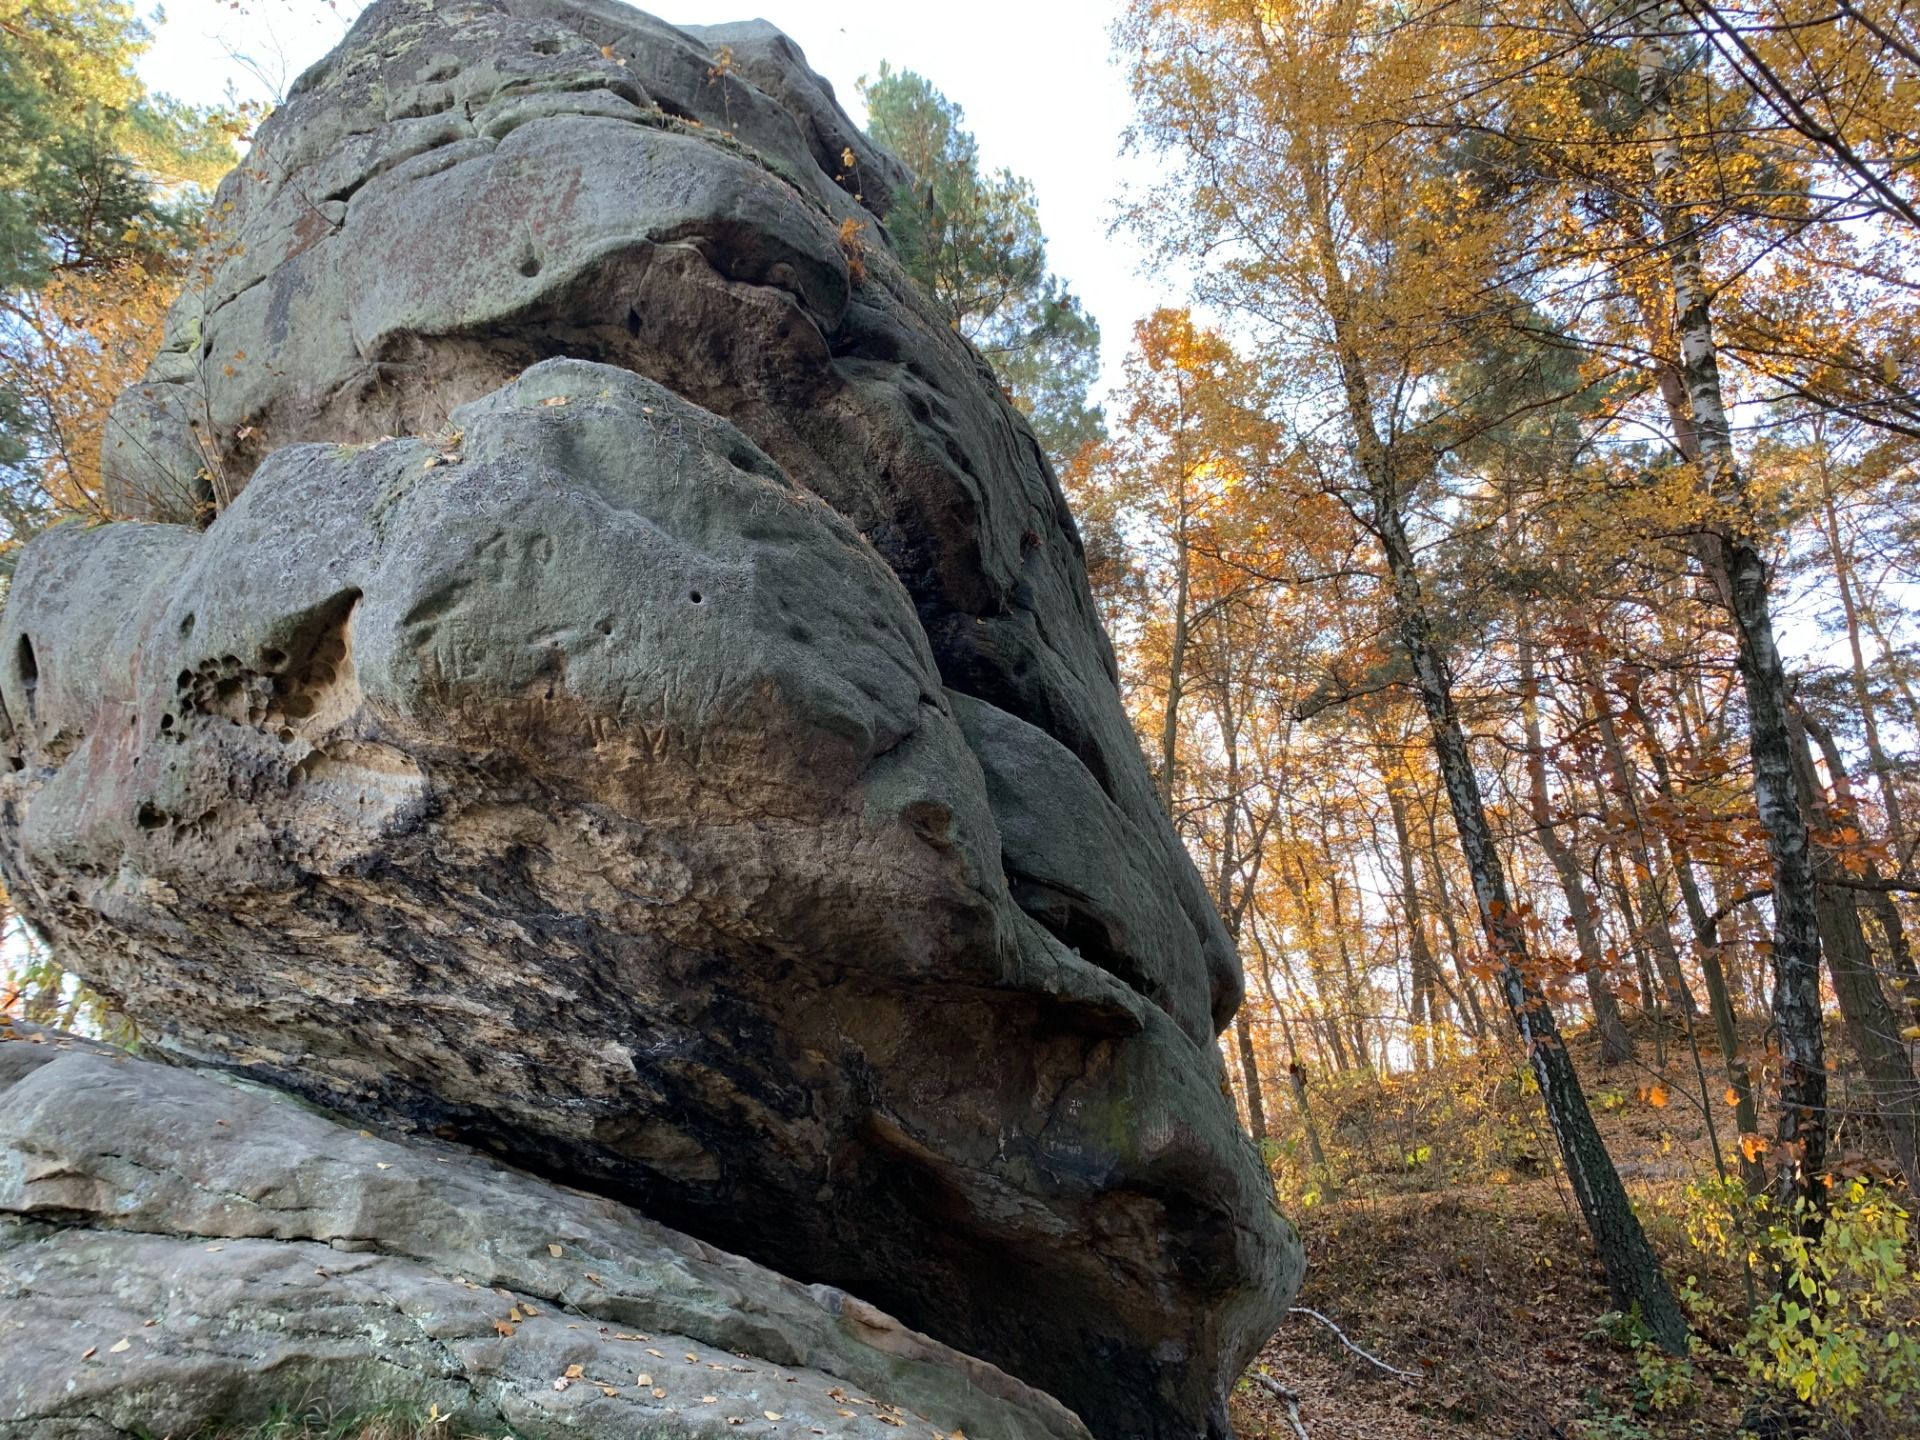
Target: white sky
{"type": "Point", "coordinates": [1036, 78]}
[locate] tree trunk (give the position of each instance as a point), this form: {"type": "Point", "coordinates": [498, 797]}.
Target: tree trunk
{"type": "Point", "coordinates": [1420, 955]}
{"type": "Point", "coordinates": [1616, 1044]}
{"type": "Point", "coordinates": [1250, 1078]}
{"type": "Point", "coordinates": [1633, 1271]}
{"type": "Point", "coordinates": [1176, 665]}
{"type": "Point", "coordinates": [1877, 759]}
{"type": "Point", "coordinates": [1301, 885]}
{"type": "Point", "coordinates": [1733, 561]}
{"type": "Point", "coordinates": [1653, 905]}
{"type": "Point", "coordinates": [1706, 936]}
{"type": "Point", "coordinates": [1463, 974]}
{"type": "Point", "coordinates": [1873, 1025]}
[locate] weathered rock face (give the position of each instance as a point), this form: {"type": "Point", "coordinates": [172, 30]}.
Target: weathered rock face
{"type": "Point", "coordinates": [692, 765]}
{"type": "Point", "coordinates": [179, 1253]}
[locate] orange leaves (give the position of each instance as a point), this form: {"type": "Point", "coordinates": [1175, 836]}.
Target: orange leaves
{"type": "Point", "coordinates": [854, 247]}
{"type": "Point", "coordinates": [1753, 1147]}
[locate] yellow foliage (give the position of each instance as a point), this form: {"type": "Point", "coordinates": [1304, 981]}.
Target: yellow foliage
{"type": "Point", "coordinates": [75, 345]}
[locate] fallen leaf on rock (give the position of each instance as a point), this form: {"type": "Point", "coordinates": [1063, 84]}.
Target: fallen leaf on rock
{"type": "Point", "coordinates": [773, 1414]}
{"type": "Point", "coordinates": [655, 1353]}
{"type": "Point", "coordinates": [119, 1346]}
{"type": "Point", "coordinates": [595, 1278]}
{"type": "Point", "coordinates": [574, 1372]}
{"type": "Point", "coordinates": [608, 1390]}
{"type": "Point", "coordinates": [528, 1310]}
{"type": "Point", "coordinates": [381, 1165]}
{"type": "Point", "coordinates": [515, 1314]}
{"type": "Point", "coordinates": [89, 1352]}
{"type": "Point", "coordinates": [555, 1251]}
{"type": "Point", "coordinates": [502, 1327]}
{"type": "Point", "coordinates": [658, 1393]}
{"type": "Point", "coordinates": [643, 1379]}
{"type": "Point", "coordinates": [692, 1359]}
{"type": "Point", "coordinates": [553, 400]}
{"type": "Point", "coordinates": [709, 1399]}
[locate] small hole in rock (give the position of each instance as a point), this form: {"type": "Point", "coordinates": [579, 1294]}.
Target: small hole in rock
{"type": "Point", "coordinates": [633, 321]}
{"type": "Point", "coordinates": [606, 627]}
{"type": "Point", "coordinates": [530, 266]}
{"type": "Point", "coordinates": [150, 817]}
{"type": "Point", "coordinates": [30, 668]}
{"type": "Point", "coordinates": [166, 723]}
{"type": "Point", "coordinates": [694, 596]}
{"type": "Point", "coordinates": [273, 659]}
{"type": "Point", "coordinates": [16, 762]}
{"type": "Point", "coordinates": [186, 626]}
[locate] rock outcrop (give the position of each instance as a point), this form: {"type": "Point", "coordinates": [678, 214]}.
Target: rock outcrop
{"type": "Point", "coordinates": [689, 763]}
{"type": "Point", "coordinates": [180, 1253]}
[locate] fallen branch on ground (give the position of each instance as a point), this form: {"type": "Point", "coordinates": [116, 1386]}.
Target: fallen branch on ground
{"type": "Point", "coordinates": [1286, 1397]}
{"type": "Point", "coordinates": [1342, 1336]}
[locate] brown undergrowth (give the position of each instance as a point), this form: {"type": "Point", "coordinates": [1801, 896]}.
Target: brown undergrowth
{"type": "Point", "coordinates": [1441, 1239]}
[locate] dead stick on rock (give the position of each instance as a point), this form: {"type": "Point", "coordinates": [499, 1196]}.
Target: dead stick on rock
{"type": "Point", "coordinates": [1342, 1336]}
{"type": "Point", "coordinates": [1286, 1397]}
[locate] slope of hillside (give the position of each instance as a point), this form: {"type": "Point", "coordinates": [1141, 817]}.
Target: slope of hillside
{"type": "Point", "coordinates": [1451, 1248]}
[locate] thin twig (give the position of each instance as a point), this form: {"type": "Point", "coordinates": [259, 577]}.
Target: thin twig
{"type": "Point", "coordinates": [1342, 1336]}
{"type": "Point", "coordinates": [1286, 1397]}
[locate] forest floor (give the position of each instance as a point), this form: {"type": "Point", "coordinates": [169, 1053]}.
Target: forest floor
{"type": "Point", "coordinates": [1466, 1262]}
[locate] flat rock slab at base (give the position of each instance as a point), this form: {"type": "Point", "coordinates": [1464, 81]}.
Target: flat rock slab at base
{"type": "Point", "coordinates": [177, 1253]}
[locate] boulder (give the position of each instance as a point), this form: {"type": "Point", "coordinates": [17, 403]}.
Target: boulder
{"type": "Point", "coordinates": [181, 1253]}
{"type": "Point", "coordinates": [687, 762]}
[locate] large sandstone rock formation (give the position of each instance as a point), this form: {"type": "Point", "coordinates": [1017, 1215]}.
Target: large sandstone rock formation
{"type": "Point", "coordinates": [691, 764]}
